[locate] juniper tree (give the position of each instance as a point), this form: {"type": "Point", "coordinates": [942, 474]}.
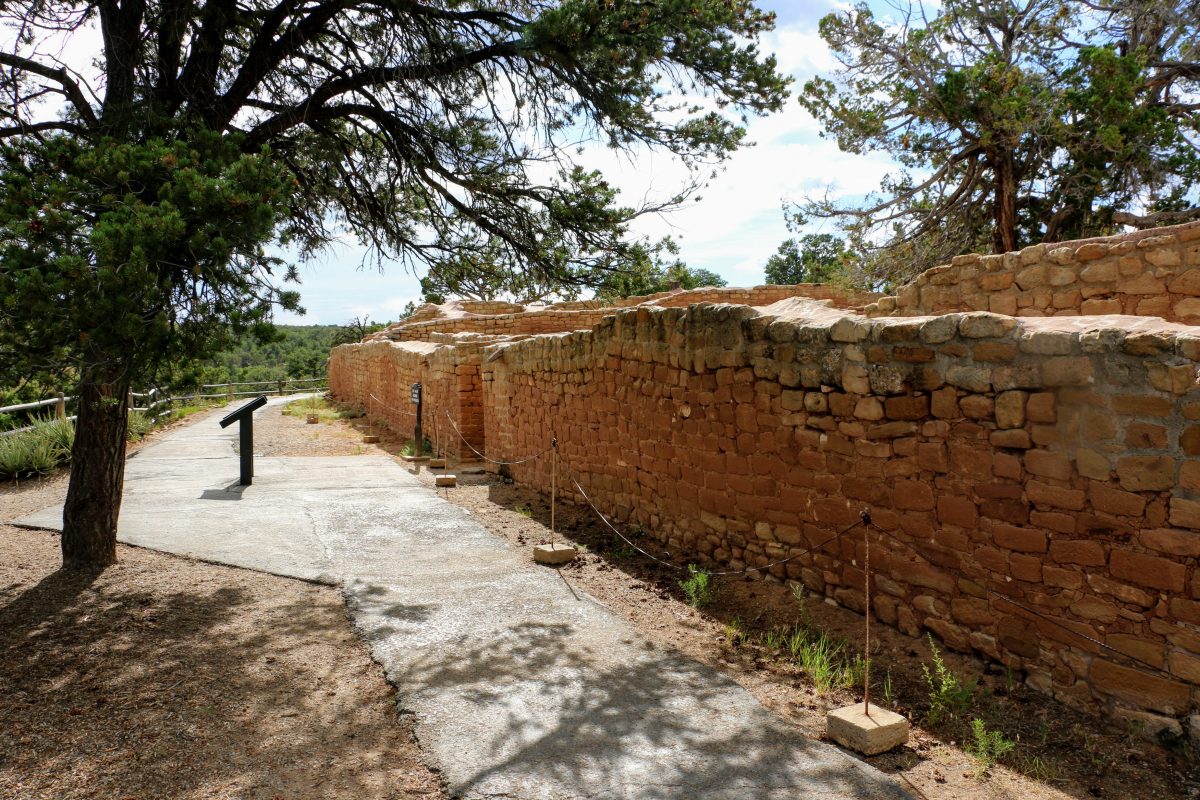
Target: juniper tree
{"type": "Point", "coordinates": [136, 203]}
{"type": "Point", "coordinates": [1012, 121]}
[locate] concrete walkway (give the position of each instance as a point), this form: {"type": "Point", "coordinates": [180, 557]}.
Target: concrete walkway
{"type": "Point", "coordinates": [519, 686]}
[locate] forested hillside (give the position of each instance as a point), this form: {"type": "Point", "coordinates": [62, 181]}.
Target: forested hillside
{"type": "Point", "coordinates": [299, 351]}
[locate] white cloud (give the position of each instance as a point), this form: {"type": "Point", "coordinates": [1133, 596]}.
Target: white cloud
{"type": "Point", "coordinates": [739, 221]}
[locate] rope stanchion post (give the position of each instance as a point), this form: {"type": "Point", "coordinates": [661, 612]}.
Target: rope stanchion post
{"type": "Point", "coordinates": [553, 485]}
{"type": "Point", "coordinates": [854, 726]}
{"type": "Point", "coordinates": [866, 518]}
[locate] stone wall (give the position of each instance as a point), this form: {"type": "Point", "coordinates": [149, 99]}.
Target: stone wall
{"type": "Point", "coordinates": [508, 319]}
{"type": "Point", "coordinates": [1152, 273]}
{"type": "Point", "coordinates": [1035, 482]}
{"type": "Point", "coordinates": [378, 376]}
{"type": "Point", "coordinates": [1046, 460]}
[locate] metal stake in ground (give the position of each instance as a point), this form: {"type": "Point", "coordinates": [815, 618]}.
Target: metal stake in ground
{"type": "Point", "coordinates": [866, 518]}
{"type": "Point", "coordinates": [553, 483]}
{"type": "Point", "coordinates": [552, 553]}
{"type": "Point", "coordinates": [854, 726]}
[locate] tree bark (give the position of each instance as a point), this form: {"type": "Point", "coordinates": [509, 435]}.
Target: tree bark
{"type": "Point", "coordinates": [89, 538]}
{"type": "Point", "coordinates": [1004, 202]}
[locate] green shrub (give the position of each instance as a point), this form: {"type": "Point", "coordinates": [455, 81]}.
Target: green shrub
{"type": "Point", "coordinates": [949, 697]}
{"type": "Point", "coordinates": [139, 426]}
{"type": "Point", "coordinates": [47, 445]}
{"type": "Point", "coordinates": [698, 588]}
{"type": "Point", "coordinates": [988, 747]}
{"type": "Point", "coordinates": [410, 450]}
{"type": "Point", "coordinates": [38, 450]}
{"type": "Point", "coordinates": [61, 432]}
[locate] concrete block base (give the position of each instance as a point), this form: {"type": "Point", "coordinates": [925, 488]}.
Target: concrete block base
{"type": "Point", "coordinates": [437, 463]}
{"type": "Point", "coordinates": [370, 439]}
{"type": "Point", "coordinates": [553, 553]}
{"type": "Point", "coordinates": [445, 480]}
{"type": "Point", "coordinates": [878, 733]}
{"type": "Point", "coordinates": [415, 459]}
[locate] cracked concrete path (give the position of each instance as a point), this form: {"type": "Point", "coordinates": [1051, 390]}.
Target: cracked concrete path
{"type": "Point", "coordinates": [520, 686]}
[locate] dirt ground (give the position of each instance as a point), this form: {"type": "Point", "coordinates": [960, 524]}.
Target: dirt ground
{"type": "Point", "coordinates": [1059, 753]}
{"type": "Point", "coordinates": [164, 677]}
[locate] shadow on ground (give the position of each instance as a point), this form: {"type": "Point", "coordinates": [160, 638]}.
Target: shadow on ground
{"type": "Point", "coordinates": [114, 685]}
{"type": "Point", "coordinates": [630, 731]}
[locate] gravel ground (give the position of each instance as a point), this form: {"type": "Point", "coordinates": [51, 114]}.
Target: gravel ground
{"type": "Point", "coordinates": [163, 677]}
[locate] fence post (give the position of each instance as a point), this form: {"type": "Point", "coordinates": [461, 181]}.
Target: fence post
{"type": "Point", "coordinates": [60, 408]}
{"type": "Point", "coordinates": [229, 393]}
{"type": "Point", "coordinates": [281, 388]}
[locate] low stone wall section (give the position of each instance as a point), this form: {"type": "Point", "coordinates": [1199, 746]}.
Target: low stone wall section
{"type": "Point", "coordinates": [1152, 273]}
{"type": "Point", "coordinates": [1034, 482]}
{"type": "Point", "coordinates": [378, 376]}
{"type": "Point", "coordinates": [507, 319]}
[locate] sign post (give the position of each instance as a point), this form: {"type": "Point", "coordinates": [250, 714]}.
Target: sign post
{"type": "Point", "coordinates": [418, 439]}
{"type": "Point", "coordinates": [245, 417]}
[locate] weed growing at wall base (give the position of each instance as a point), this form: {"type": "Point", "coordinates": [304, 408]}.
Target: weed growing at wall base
{"type": "Point", "coordinates": [987, 747]}
{"type": "Point", "coordinates": [698, 588]}
{"type": "Point", "coordinates": [949, 697]}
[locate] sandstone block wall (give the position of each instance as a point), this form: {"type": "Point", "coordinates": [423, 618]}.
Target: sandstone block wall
{"type": "Point", "coordinates": [495, 318]}
{"type": "Point", "coordinates": [378, 376]}
{"type": "Point", "coordinates": [1047, 461]}
{"type": "Point", "coordinates": [1152, 273]}
{"type": "Point", "coordinates": [1034, 475]}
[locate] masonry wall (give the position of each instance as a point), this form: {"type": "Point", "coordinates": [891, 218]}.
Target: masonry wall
{"type": "Point", "coordinates": [508, 319]}
{"type": "Point", "coordinates": [1150, 273]}
{"type": "Point", "coordinates": [1048, 463]}
{"type": "Point", "coordinates": [377, 376]}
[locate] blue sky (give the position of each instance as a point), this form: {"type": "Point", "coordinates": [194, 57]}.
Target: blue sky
{"type": "Point", "coordinates": [734, 228]}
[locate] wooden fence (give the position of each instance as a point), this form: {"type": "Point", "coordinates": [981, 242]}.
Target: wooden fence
{"type": "Point", "coordinates": [159, 402]}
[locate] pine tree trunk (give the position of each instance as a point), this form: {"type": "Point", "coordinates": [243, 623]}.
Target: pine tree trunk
{"type": "Point", "coordinates": [89, 538]}
{"type": "Point", "coordinates": [1005, 202]}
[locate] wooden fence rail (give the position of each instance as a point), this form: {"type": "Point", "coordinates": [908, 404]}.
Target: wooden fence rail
{"type": "Point", "coordinates": [154, 400]}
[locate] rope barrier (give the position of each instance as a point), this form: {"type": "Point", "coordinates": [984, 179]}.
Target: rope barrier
{"type": "Point", "coordinates": [864, 518]}
{"type": "Point", "coordinates": [391, 408]}
{"type": "Point", "coordinates": [553, 445]}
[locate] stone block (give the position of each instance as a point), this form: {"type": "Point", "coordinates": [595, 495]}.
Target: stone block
{"type": "Point", "coordinates": [1187, 309]}
{"type": "Point", "coordinates": [1025, 540]}
{"type": "Point", "coordinates": [1056, 496]}
{"type": "Point", "coordinates": [1146, 473]}
{"type": "Point", "coordinates": [977, 406]}
{"type": "Point", "coordinates": [553, 554]}
{"type": "Point", "coordinates": [1014, 438]}
{"type": "Point", "coordinates": [870, 734]}
{"type": "Point", "coordinates": [1173, 541]}
{"type": "Point", "coordinates": [1068, 371]}
{"type": "Point", "coordinates": [1048, 465]}
{"type": "Point", "coordinates": [984, 325]}
{"type": "Point", "coordinates": [1100, 306]}
{"type": "Point", "coordinates": [1147, 570]}
{"type": "Point", "coordinates": [1139, 688]}
{"type": "Point", "coordinates": [1084, 552]}
{"type": "Point", "coordinates": [445, 480]}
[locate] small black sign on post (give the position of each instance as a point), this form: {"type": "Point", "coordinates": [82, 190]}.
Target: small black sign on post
{"type": "Point", "coordinates": [245, 416]}
{"type": "Point", "coordinates": [418, 450]}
